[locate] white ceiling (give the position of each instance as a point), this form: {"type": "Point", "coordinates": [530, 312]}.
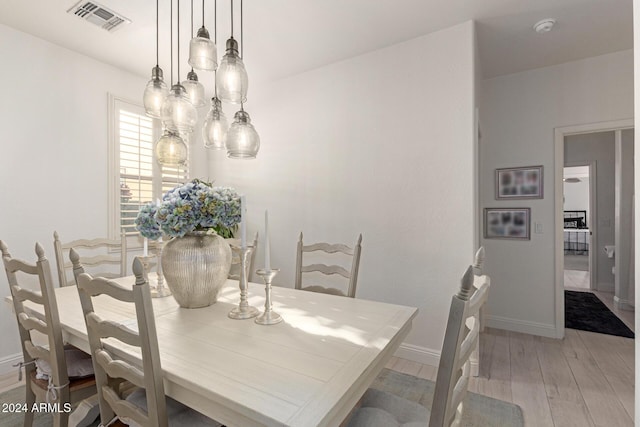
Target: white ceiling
{"type": "Point", "coordinates": [285, 37]}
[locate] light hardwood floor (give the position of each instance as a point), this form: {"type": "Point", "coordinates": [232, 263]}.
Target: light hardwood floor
{"type": "Point", "coordinates": [587, 379]}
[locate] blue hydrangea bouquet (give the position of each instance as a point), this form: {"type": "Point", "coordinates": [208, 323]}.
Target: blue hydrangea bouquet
{"type": "Point", "coordinates": [193, 206]}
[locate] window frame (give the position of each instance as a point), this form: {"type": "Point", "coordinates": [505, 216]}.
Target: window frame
{"type": "Point", "coordinates": [116, 104]}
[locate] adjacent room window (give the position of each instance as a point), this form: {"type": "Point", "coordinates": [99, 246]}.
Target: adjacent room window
{"type": "Point", "coordinates": [136, 178]}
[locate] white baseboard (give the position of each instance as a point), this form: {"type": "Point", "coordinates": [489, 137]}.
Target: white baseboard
{"type": "Point", "coordinates": [523, 326]}
{"type": "Point", "coordinates": [623, 304]}
{"type": "Point", "coordinates": [7, 362]}
{"type": "Point", "coordinates": [415, 353]}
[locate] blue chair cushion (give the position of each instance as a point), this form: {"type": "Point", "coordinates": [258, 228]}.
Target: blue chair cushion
{"type": "Point", "coordinates": [178, 414]}
{"type": "Point", "coordinates": [382, 409]}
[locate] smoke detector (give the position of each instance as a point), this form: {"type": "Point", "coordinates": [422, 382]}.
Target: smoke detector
{"type": "Point", "coordinates": [99, 15]}
{"type": "Point", "coordinates": [544, 26]}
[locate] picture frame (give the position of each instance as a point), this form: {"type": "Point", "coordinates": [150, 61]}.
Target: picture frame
{"type": "Point", "coordinates": [507, 223]}
{"type": "Point", "coordinates": [519, 183]}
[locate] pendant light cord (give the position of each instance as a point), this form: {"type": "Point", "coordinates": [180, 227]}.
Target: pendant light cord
{"type": "Point", "coordinates": [215, 41]}
{"type": "Point", "coordinates": [192, 33]}
{"type": "Point", "coordinates": [178, 38]}
{"type": "Point", "coordinates": [171, 37]}
{"type": "Point", "coordinates": [241, 45]}
{"type": "Point", "coordinates": [231, 18]}
{"type": "Point", "coordinates": [203, 13]}
{"type": "Point", "coordinates": [157, 32]}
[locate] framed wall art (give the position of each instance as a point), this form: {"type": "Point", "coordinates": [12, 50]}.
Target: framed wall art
{"type": "Point", "coordinates": [519, 183]}
{"type": "Point", "coordinates": [507, 223]}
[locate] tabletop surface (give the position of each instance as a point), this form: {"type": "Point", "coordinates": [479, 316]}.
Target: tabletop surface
{"type": "Point", "coordinates": [308, 370]}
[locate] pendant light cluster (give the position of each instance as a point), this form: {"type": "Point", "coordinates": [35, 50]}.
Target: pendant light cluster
{"type": "Point", "coordinates": [176, 108]}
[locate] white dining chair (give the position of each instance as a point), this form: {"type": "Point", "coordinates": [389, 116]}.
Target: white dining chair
{"type": "Point", "coordinates": [327, 248]}
{"type": "Point", "coordinates": [382, 409]}
{"type": "Point", "coordinates": [102, 254]}
{"type": "Point", "coordinates": [147, 406]}
{"type": "Point", "coordinates": [478, 266]}
{"type": "Point", "coordinates": [64, 374]}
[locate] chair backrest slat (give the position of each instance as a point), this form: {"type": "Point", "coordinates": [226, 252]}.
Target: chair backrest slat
{"type": "Point", "coordinates": [107, 366]}
{"type": "Point", "coordinates": [459, 343]}
{"type": "Point", "coordinates": [102, 286]}
{"type": "Point", "coordinates": [326, 270]}
{"type": "Point", "coordinates": [33, 323]}
{"type": "Point", "coordinates": [479, 298]}
{"type": "Point", "coordinates": [124, 408]}
{"type": "Point", "coordinates": [328, 248]}
{"type": "Point", "coordinates": [119, 369]}
{"type": "Point", "coordinates": [48, 325]}
{"type": "Point", "coordinates": [329, 269]}
{"type": "Point", "coordinates": [108, 328]}
{"type": "Point", "coordinates": [22, 295]}
{"type": "Point", "coordinates": [116, 255]}
{"type": "Point", "coordinates": [36, 351]}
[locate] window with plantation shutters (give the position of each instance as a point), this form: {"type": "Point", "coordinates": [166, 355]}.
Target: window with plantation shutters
{"type": "Point", "coordinates": [135, 140]}
{"type": "Point", "coordinates": [136, 176]}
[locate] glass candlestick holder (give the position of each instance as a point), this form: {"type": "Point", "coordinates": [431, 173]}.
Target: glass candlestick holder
{"type": "Point", "coordinates": [243, 310]}
{"type": "Point", "coordinates": [160, 290]}
{"type": "Point", "coordinates": [269, 317]}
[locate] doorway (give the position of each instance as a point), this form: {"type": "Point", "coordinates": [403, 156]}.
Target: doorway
{"type": "Point", "coordinates": [578, 225]}
{"type": "Point", "coordinates": [601, 267]}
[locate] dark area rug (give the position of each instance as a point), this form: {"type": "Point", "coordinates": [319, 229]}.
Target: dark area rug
{"type": "Point", "coordinates": [585, 311]}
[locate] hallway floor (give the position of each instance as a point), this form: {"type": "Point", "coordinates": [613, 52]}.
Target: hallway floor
{"type": "Point", "coordinates": [576, 279]}
{"type": "Point", "coordinates": [586, 379]}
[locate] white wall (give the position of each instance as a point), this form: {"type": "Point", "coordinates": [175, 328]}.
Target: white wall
{"type": "Point", "coordinates": [380, 144]}
{"type": "Point", "coordinates": [624, 282]}
{"type": "Point", "coordinates": [636, 182]}
{"type": "Point", "coordinates": [518, 115]}
{"type": "Point", "coordinates": [598, 147]}
{"type": "Point", "coordinates": [53, 165]}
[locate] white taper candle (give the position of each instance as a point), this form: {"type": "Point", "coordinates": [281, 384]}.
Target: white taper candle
{"type": "Point", "coordinates": [243, 225]}
{"type": "Point", "coordinates": [267, 244]}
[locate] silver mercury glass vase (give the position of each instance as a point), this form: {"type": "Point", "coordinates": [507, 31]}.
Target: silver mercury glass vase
{"type": "Point", "coordinates": [195, 268]}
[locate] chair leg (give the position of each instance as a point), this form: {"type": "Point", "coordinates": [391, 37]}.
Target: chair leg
{"type": "Point", "coordinates": [61, 419]}
{"type": "Point", "coordinates": [30, 399]}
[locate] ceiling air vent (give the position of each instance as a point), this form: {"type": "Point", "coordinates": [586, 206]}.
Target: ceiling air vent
{"type": "Point", "coordinates": [98, 15]}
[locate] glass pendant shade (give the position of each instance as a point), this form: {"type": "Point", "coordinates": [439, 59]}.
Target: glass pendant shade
{"type": "Point", "coordinates": [215, 127]}
{"type": "Point", "coordinates": [203, 54]}
{"type": "Point", "coordinates": [231, 79]}
{"type": "Point", "coordinates": [195, 90]}
{"type": "Point", "coordinates": [171, 150]}
{"type": "Point", "coordinates": [155, 93]}
{"type": "Point", "coordinates": [243, 141]}
{"type": "Point", "coordinates": [178, 113]}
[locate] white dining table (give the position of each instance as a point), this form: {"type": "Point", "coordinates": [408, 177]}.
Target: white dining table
{"type": "Point", "coordinates": [309, 370]}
